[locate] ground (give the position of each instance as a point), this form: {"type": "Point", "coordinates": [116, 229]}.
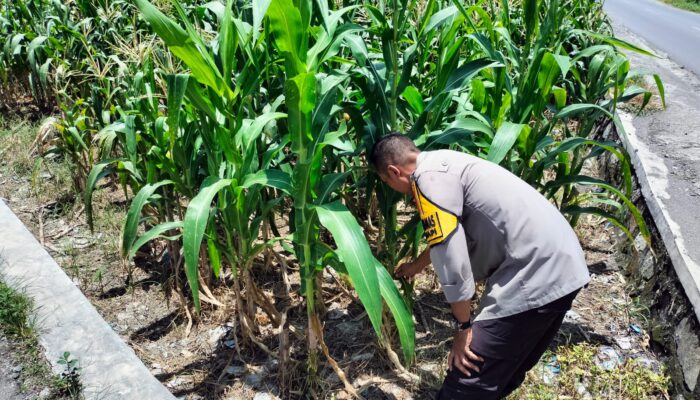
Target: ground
{"type": "Point", "coordinates": [602, 351]}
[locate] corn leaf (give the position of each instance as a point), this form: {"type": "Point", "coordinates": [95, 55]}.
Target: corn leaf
{"type": "Point", "coordinates": [506, 135]}
{"type": "Point", "coordinates": [354, 252]}
{"type": "Point", "coordinates": [269, 177]}
{"type": "Point", "coordinates": [402, 315]}
{"type": "Point", "coordinates": [183, 46]}
{"type": "Point", "coordinates": [134, 215]}
{"type": "Point", "coordinates": [155, 232]}
{"type": "Point", "coordinates": [195, 224]}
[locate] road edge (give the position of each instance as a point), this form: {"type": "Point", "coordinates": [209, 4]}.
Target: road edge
{"type": "Point", "coordinates": [67, 321]}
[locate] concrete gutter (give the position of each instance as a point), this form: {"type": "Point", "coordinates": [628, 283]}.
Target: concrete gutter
{"type": "Point", "coordinates": [68, 322]}
{"type": "Point", "coordinates": [664, 148]}
{"type": "Point", "coordinates": [651, 173]}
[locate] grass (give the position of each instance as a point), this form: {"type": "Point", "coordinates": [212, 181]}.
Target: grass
{"type": "Point", "coordinates": [689, 5]}
{"type": "Point", "coordinates": [17, 324]}
{"type": "Point", "coordinates": [580, 377]}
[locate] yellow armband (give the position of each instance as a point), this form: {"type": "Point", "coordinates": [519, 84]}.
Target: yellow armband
{"type": "Point", "coordinates": [438, 223]}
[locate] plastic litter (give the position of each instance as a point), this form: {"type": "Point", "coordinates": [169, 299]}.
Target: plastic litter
{"type": "Point", "coordinates": [608, 358]}
{"type": "Point", "coordinates": [551, 371]}
{"type": "Point", "coordinates": [636, 329]}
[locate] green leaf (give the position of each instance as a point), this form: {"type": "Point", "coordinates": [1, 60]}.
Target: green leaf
{"type": "Point", "coordinates": [155, 232]}
{"type": "Point", "coordinates": [134, 215]}
{"type": "Point", "coordinates": [467, 71]}
{"type": "Point", "coordinates": [97, 172]}
{"type": "Point", "coordinates": [590, 181]}
{"type": "Point", "coordinates": [195, 223]}
{"type": "Point", "coordinates": [253, 131]}
{"type": "Point", "coordinates": [269, 177]}
{"type": "Point", "coordinates": [548, 73]}
{"type": "Point", "coordinates": [354, 252]}
{"type": "Point", "coordinates": [530, 15]}
{"type": "Point", "coordinates": [329, 183]}
{"type": "Point", "coordinates": [402, 315]}
{"type": "Point", "coordinates": [183, 45]}
{"type": "Point", "coordinates": [577, 210]}
{"type": "Point", "coordinates": [618, 42]}
{"type": "Point", "coordinates": [576, 109]}
{"type": "Point", "coordinates": [259, 10]}
{"type": "Point", "coordinates": [662, 90]}
{"type": "Point", "coordinates": [287, 29]}
{"type": "Point", "coordinates": [228, 42]}
{"type": "Point", "coordinates": [414, 99]}
{"type": "Point", "coordinates": [505, 138]}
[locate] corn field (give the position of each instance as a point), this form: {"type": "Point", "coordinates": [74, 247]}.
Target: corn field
{"type": "Point", "coordinates": [237, 131]}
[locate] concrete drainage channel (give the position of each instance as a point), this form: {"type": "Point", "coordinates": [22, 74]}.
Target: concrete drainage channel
{"type": "Point", "coordinates": [68, 322]}
{"type": "Point", "coordinates": [664, 275]}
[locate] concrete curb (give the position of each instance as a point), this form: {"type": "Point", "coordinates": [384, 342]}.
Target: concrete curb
{"type": "Point", "coordinates": [68, 322]}
{"type": "Point", "coordinates": [651, 174]}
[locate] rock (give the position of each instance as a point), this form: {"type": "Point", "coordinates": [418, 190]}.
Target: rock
{"type": "Point", "coordinates": [186, 353]}
{"type": "Point", "coordinates": [582, 391]}
{"type": "Point", "coordinates": [349, 328]}
{"type": "Point", "coordinates": [646, 269]}
{"type": "Point", "coordinates": [45, 394]}
{"type": "Point", "coordinates": [272, 365]}
{"type": "Point", "coordinates": [175, 382]}
{"type": "Point", "coordinates": [571, 316]}
{"type": "Point", "coordinates": [362, 357]}
{"type": "Point", "coordinates": [122, 316]}
{"type": "Point", "coordinates": [336, 312]}
{"type": "Point", "coordinates": [640, 243]}
{"type": "Point", "coordinates": [236, 370]}
{"type": "Point", "coordinates": [429, 367]}
{"type": "Point", "coordinates": [254, 380]}
{"type": "Point", "coordinates": [625, 342]}
{"type": "Point", "coordinates": [264, 396]}
{"type": "Point", "coordinates": [688, 349]}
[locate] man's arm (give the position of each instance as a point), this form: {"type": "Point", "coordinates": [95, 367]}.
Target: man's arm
{"type": "Point", "coordinates": [410, 269]}
{"type": "Point", "coordinates": [462, 310]}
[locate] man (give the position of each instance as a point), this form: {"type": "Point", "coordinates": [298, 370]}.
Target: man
{"type": "Point", "coordinates": [483, 223]}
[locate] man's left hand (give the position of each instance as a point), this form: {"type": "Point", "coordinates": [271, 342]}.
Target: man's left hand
{"type": "Point", "coordinates": [461, 356]}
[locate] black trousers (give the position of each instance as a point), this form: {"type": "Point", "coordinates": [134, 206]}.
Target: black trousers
{"type": "Point", "coordinates": [510, 347]}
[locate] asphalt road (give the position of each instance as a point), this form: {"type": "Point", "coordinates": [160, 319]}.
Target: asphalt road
{"type": "Point", "coordinates": [675, 32]}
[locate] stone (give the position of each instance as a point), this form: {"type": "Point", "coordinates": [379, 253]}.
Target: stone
{"type": "Point", "coordinates": [688, 349]}
{"type": "Point", "coordinates": [264, 396]}
{"type": "Point", "coordinates": [254, 380]}
{"type": "Point", "coordinates": [45, 394]}
{"type": "Point", "coordinates": [235, 370]}
{"type": "Point", "coordinates": [640, 243]}
{"type": "Point", "coordinates": [625, 342]}
{"type": "Point", "coordinates": [646, 269]}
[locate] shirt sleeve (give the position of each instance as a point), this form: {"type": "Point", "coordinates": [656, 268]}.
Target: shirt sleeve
{"type": "Point", "coordinates": [440, 199]}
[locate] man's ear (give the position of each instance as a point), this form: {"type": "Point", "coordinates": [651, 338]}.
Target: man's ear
{"type": "Point", "coordinates": [393, 171]}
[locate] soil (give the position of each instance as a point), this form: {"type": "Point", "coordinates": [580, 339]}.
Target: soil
{"type": "Point", "coordinates": [205, 364]}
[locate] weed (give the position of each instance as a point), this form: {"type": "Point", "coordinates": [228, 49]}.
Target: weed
{"type": "Point", "coordinates": [581, 377]}
{"type": "Point", "coordinates": [68, 383]}
{"type": "Point", "coordinates": [15, 312]}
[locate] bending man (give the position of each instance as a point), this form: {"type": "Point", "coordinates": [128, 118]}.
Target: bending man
{"type": "Point", "coordinates": [483, 223]}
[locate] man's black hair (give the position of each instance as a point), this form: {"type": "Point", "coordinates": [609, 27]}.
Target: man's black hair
{"type": "Point", "coordinates": [393, 148]}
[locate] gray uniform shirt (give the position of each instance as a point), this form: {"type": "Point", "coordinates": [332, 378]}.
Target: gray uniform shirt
{"type": "Point", "coordinates": [484, 223]}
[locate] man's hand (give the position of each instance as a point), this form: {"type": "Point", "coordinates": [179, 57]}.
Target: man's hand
{"type": "Point", "coordinates": [409, 270]}
{"type": "Point", "coordinates": [461, 356]}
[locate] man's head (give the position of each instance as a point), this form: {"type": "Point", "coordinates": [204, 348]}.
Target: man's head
{"type": "Point", "coordinates": [394, 158]}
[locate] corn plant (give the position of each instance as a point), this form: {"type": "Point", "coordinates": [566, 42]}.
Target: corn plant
{"type": "Point", "coordinates": [310, 109]}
